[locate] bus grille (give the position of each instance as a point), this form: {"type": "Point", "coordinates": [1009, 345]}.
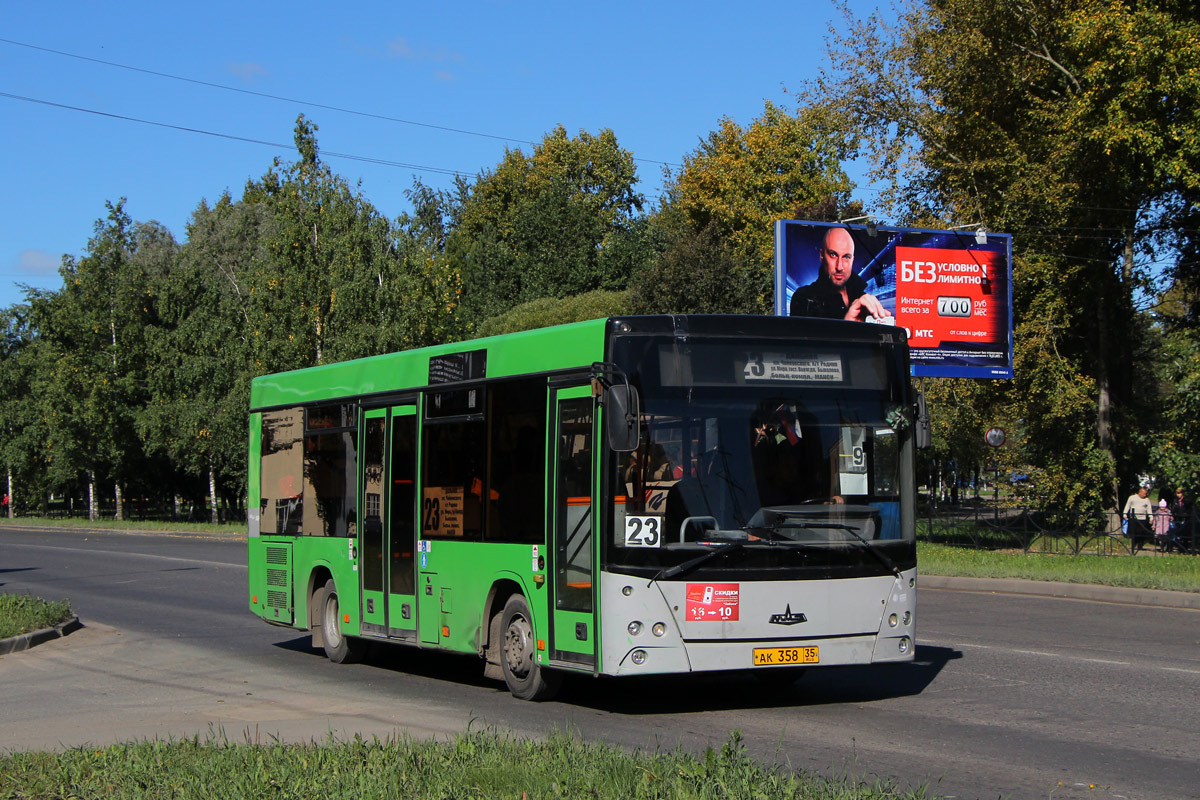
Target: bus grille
{"type": "Point", "coordinates": [277, 576]}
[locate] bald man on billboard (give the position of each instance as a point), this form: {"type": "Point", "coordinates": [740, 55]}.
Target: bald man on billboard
{"type": "Point", "coordinates": [837, 293]}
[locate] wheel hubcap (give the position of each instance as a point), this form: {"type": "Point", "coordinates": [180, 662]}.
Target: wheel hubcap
{"type": "Point", "coordinates": [333, 633]}
{"type": "Point", "coordinates": [518, 646]}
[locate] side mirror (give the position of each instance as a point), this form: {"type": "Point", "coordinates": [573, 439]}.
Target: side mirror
{"type": "Point", "coordinates": [622, 417]}
{"type": "Point", "coordinates": [923, 434]}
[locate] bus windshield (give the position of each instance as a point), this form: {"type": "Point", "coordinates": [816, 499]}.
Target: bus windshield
{"type": "Point", "coordinates": [797, 449]}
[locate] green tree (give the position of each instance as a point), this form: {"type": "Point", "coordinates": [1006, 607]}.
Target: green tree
{"type": "Point", "coordinates": [1072, 125]}
{"type": "Point", "coordinates": [200, 379]}
{"type": "Point", "coordinates": [429, 311]}
{"type": "Point", "coordinates": [95, 330]}
{"type": "Point", "coordinates": [716, 225]}
{"type": "Point", "coordinates": [325, 291]}
{"type": "Point", "coordinates": [547, 311]}
{"type": "Point", "coordinates": [544, 225]}
{"type": "Point", "coordinates": [692, 275]}
{"type": "Point", "coordinates": [1175, 447]}
{"type": "Point", "coordinates": [21, 431]}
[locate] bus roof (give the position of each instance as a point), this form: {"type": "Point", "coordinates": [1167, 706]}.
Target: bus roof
{"type": "Point", "coordinates": [561, 347]}
{"type": "Point", "coordinates": [558, 348]}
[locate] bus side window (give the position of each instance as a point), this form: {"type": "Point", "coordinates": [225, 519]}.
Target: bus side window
{"type": "Point", "coordinates": [282, 468]}
{"type": "Point", "coordinates": [331, 470]}
{"type": "Point", "coordinates": [517, 462]}
{"type": "Point", "coordinates": [451, 502]}
{"type": "Point", "coordinates": [330, 475]}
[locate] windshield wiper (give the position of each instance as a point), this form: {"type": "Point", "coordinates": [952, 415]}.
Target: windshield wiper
{"type": "Point", "coordinates": [688, 566]}
{"type": "Point", "coordinates": [881, 557]}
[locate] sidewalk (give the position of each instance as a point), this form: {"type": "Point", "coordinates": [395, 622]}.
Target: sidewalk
{"type": "Point", "coordinates": [1071, 591]}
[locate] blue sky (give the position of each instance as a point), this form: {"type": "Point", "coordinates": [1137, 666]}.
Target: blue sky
{"type": "Point", "coordinates": [477, 77]}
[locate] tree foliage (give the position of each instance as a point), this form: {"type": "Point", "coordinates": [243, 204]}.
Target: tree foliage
{"type": "Point", "coordinates": [715, 232]}
{"type": "Point", "coordinates": [21, 426]}
{"type": "Point", "coordinates": [544, 224]}
{"type": "Point", "coordinates": [547, 311]}
{"type": "Point", "coordinates": [96, 336]}
{"type": "Point", "coordinates": [331, 270]}
{"type": "Point", "coordinates": [1073, 126]}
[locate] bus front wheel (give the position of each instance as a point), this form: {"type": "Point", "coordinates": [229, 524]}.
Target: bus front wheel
{"type": "Point", "coordinates": [524, 676]}
{"type": "Point", "coordinates": [340, 648]}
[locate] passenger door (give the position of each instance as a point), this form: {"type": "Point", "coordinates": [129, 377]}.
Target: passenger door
{"type": "Point", "coordinates": [387, 533]}
{"type": "Point", "coordinates": [371, 563]}
{"type": "Point", "coordinates": [402, 522]}
{"type": "Point", "coordinates": [573, 525]}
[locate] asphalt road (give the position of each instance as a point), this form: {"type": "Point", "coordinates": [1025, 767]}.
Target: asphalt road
{"type": "Point", "coordinates": [1011, 695]}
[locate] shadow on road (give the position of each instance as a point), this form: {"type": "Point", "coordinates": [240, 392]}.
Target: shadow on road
{"type": "Point", "coordinates": [680, 694]}
{"type": "Point", "coordinates": [675, 694]}
{"type": "Point", "coordinates": [17, 569]}
{"type": "Point", "coordinates": [447, 667]}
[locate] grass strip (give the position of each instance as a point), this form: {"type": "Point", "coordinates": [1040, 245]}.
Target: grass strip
{"type": "Point", "coordinates": [1180, 573]}
{"type": "Point", "coordinates": [483, 764]}
{"type": "Point", "coordinates": [23, 613]}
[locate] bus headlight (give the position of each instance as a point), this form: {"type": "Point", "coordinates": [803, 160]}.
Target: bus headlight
{"type": "Point", "coordinates": [905, 645]}
{"type": "Point", "coordinates": [907, 617]}
{"type": "Point", "coordinates": [893, 620]}
{"type": "Point", "coordinates": [634, 628]}
{"type": "Point", "coordinates": [638, 657]}
{"type": "Point", "coordinates": [659, 629]}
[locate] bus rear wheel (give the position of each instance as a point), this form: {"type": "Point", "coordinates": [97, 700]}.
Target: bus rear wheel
{"type": "Point", "coordinates": [524, 676]}
{"type": "Point", "coordinates": [340, 648]}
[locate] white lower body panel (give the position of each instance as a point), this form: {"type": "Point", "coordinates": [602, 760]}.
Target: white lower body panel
{"type": "Point", "coordinates": [718, 626]}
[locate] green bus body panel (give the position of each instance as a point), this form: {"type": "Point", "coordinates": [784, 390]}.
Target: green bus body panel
{"type": "Point", "coordinates": [567, 640]}
{"type": "Point", "coordinates": [309, 554]}
{"type": "Point", "coordinates": [563, 347]}
{"type": "Point", "coordinates": [453, 582]}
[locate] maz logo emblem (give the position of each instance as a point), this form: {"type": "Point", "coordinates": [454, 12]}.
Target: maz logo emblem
{"type": "Point", "coordinates": [788, 618]}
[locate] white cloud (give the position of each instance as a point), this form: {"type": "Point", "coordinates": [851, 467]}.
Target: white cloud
{"type": "Point", "coordinates": [38, 263]}
{"type": "Point", "coordinates": [247, 70]}
{"type": "Point", "coordinates": [400, 48]}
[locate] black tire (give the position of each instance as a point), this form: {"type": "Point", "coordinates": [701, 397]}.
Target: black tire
{"type": "Point", "coordinates": [524, 676]}
{"type": "Point", "coordinates": [340, 648]}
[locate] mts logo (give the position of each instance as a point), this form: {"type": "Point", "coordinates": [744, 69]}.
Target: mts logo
{"type": "Point", "coordinates": [926, 333]}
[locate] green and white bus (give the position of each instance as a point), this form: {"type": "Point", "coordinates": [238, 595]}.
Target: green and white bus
{"type": "Point", "coordinates": [626, 496]}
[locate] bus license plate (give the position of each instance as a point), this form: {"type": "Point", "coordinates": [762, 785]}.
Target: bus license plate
{"type": "Point", "coordinates": [775, 656]}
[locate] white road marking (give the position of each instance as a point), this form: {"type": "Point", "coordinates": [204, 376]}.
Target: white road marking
{"type": "Point", "coordinates": [126, 553]}
{"type": "Point", "coordinates": [1032, 653]}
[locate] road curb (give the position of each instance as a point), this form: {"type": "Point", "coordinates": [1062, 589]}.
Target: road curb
{"type": "Point", "coordinates": [1071, 591]}
{"type": "Point", "coordinates": [239, 535]}
{"type": "Point", "coordinates": [16, 644]}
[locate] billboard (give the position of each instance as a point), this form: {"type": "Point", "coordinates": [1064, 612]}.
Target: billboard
{"type": "Point", "coordinates": [951, 290]}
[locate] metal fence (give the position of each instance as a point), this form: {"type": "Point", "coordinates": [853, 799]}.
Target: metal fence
{"type": "Point", "coordinates": [137, 509]}
{"type": "Point", "coordinates": [988, 526]}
